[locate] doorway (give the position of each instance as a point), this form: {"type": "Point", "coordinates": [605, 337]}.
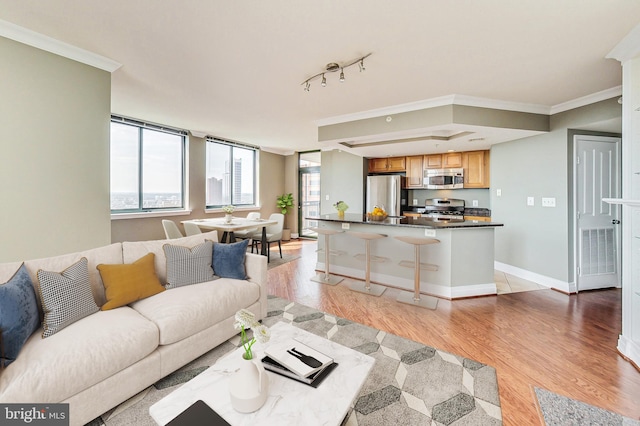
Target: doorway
{"type": "Point", "coordinates": [308, 192]}
{"type": "Point", "coordinates": [596, 223]}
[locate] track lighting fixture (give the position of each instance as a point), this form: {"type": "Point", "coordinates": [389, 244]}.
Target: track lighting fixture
{"type": "Point", "coordinates": [333, 67]}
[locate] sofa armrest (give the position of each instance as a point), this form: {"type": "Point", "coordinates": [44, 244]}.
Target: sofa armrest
{"type": "Point", "coordinates": [256, 268]}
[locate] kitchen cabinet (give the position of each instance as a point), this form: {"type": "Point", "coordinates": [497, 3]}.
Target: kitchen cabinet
{"type": "Point", "coordinates": [415, 171]}
{"type": "Point", "coordinates": [388, 164]}
{"type": "Point", "coordinates": [452, 160]}
{"type": "Point", "coordinates": [433, 161]}
{"type": "Point", "coordinates": [476, 169]}
{"type": "Point", "coordinates": [449, 160]}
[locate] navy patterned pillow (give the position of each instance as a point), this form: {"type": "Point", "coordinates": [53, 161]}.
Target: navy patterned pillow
{"type": "Point", "coordinates": [19, 316]}
{"type": "Point", "coordinates": [186, 266]}
{"type": "Point", "coordinates": [66, 296]}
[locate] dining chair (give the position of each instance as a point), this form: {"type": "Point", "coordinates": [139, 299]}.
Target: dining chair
{"type": "Point", "coordinates": [191, 229]}
{"type": "Point", "coordinates": [274, 234]}
{"type": "Point", "coordinates": [247, 233]}
{"type": "Point", "coordinates": [171, 229]}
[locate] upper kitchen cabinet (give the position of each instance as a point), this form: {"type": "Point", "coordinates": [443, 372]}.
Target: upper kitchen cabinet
{"type": "Point", "coordinates": [389, 164]}
{"type": "Point", "coordinates": [450, 160]}
{"type": "Point", "coordinates": [415, 172]}
{"type": "Point", "coordinates": [476, 169]}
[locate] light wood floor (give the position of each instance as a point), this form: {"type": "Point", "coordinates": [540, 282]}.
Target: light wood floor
{"type": "Point", "coordinates": [565, 344]}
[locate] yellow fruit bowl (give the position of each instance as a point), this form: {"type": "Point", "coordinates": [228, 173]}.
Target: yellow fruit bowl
{"type": "Point", "coordinates": [376, 218]}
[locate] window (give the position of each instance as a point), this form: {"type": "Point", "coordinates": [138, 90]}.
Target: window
{"type": "Point", "coordinates": [147, 167]}
{"type": "Point", "coordinates": [231, 174]}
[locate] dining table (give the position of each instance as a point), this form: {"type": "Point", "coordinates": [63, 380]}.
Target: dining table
{"type": "Point", "coordinates": [236, 224]}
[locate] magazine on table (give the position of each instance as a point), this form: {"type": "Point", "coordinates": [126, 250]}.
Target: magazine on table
{"type": "Point", "coordinates": [313, 380]}
{"type": "Point", "coordinates": [298, 357]}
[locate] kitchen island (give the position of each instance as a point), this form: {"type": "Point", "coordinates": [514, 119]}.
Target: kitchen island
{"type": "Point", "coordinates": [461, 263]}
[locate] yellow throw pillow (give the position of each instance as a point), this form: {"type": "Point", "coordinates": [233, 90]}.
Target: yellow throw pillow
{"type": "Point", "coordinates": [126, 283]}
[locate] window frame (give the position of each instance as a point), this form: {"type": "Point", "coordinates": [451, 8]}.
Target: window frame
{"type": "Point", "coordinates": [153, 211]}
{"type": "Point", "coordinates": [233, 145]}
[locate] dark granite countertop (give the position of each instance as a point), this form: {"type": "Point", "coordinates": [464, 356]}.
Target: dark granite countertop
{"type": "Point", "coordinates": [418, 222]}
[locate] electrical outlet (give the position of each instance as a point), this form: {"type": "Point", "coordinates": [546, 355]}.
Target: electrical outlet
{"type": "Point", "coordinates": [345, 226]}
{"type": "Point", "coordinates": [549, 202]}
{"type": "Point", "coordinates": [531, 201]}
{"type": "Point", "coordinates": [498, 192]}
{"type": "Point", "coordinates": [415, 202]}
{"type": "Point", "coordinates": [474, 203]}
{"type": "Point", "coordinates": [429, 232]}
{"type": "Point", "coordinates": [326, 197]}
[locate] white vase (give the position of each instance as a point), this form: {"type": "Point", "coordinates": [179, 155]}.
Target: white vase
{"type": "Point", "coordinates": [228, 218]}
{"type": "Point", "coordinates": [249, 386]}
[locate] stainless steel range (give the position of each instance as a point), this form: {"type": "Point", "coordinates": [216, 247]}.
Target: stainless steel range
{"type": "Point", "coordinates": [444, 209]}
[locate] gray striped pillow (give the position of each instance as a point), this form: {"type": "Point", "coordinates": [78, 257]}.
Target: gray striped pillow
{"type": "Point", "coordinates": [186, 266]}
{"type": "Point", "coordinates": [66, 296]}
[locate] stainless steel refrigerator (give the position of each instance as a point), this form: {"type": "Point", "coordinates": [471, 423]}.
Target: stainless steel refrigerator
{"type": "Point", "coordinates": [384, 191]}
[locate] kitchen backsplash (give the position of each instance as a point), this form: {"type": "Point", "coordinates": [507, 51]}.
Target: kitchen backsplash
{"type": "Point", "coordinates": [468, 195]}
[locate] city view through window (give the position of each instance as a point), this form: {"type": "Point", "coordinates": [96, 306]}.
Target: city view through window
{"type": "Point", "coordinates": [146, 168]}
{"type": "Point", "coordinates": [230, 175]}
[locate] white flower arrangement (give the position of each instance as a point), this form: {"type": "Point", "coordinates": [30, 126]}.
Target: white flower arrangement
{"type": "Point", "coordinates": [245, 319]}
{"type": "Point", "coordinates": [228, 209]}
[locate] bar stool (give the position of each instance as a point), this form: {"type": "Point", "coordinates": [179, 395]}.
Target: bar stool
{"type": "Point", "coordinates": [366, 287]}
{"type": "Point", "coordinates": [415, 299]}
{"type": "Point", "coordinates": [326, 278]}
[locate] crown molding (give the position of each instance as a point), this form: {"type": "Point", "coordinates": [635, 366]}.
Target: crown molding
{"type": "Point", "coordinates": [46, 43]}
{"type": "Point", "coordinates": [628, 48]}
{"type": "Point", "coordinates": [433, 103]}
{"type": "Point", "coordinates": [587, 100]}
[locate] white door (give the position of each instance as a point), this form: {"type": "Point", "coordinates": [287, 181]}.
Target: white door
{"type": "Point", "coordinates": [597, 229]}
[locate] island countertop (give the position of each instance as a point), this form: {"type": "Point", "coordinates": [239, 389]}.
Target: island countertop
{"type": "Point", "coordinates": [405, 221]}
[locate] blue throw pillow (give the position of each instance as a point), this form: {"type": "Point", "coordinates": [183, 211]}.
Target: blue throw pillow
{"type": "Point", "coordinates": [19, 317]}
{"type": "Point", "coordinates": [228, 259]}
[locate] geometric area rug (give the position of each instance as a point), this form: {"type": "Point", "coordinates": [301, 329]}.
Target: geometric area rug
{"type": "Point", "coordinates": [558, 410]}
{"type": "Point", "coordinates": [409, 384]}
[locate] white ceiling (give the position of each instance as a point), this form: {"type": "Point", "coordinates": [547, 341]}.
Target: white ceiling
{"type": "Point", "coordinates": [233, 69]}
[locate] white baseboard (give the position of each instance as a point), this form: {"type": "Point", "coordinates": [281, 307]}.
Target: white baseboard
{"type": "Point", "coordinates": [445, 292]}
{"type": "Point", "coordinates": [630, 349]}
{"type": "Point", "coordinates": [543, 280]}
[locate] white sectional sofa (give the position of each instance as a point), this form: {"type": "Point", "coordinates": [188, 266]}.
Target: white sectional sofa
{"type": "Point", "coordinates": [105, 358]}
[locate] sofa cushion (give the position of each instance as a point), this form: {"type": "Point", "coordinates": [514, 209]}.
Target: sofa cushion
{"type": "Point", "coordinates": [65, 296]}
{"type": "Point", "coordinates": [19, 316]}
{"type": "Point", "coordinates": [107, 254]}
{"type": "Point", "coordinates": [136, 249]}
{"type": "Point", "coordinates": [186, 266]}
{"type": "Point", "coordinates": [228, 259]}
{"type": "Point", "coordinates": [78, 357]}
{"type": "Point", "coordinates": [128, 282]}
{"type": "Point", "coordinates": [181, 312]}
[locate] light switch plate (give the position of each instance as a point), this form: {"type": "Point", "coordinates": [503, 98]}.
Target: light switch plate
{"type": "Point", "coordinates": [531, 201]}
{"type": "Point", "coordinates": [345, 226]}
{"type": "Point", "coordinates": [326, 197]}
{"type": "Point", "coordinates": [549, 202]}
{"type": "Point", "coordinates": [474, 203]}
{"type": "Point", "coordinates": [498, 192]}
{"type": "Point", "coordinates": [429, 232]}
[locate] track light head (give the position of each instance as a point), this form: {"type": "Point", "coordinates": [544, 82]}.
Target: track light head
{"type": "Point", "coordinates": [341, 75]}
{"type": "Point", "coordinates": [324, 81]}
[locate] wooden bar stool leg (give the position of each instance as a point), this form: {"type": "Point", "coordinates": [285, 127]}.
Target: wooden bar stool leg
{"type": "Point", "coordinates": [415, 298]}
{"type": "Point", "coordinates": [326, 277]}
{"type": "Point", "coordinates": [367, 287]}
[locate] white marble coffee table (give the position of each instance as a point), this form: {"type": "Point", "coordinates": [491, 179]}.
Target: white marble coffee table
{"type": "Point", "coordinates": [289, 402]}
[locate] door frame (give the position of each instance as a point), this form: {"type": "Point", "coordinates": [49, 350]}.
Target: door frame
{"type": "Point", "coordinates": [576, 235]}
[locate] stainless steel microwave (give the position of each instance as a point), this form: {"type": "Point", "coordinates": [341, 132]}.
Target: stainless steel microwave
{"type": "Point", "coordinates": [443, 178]}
